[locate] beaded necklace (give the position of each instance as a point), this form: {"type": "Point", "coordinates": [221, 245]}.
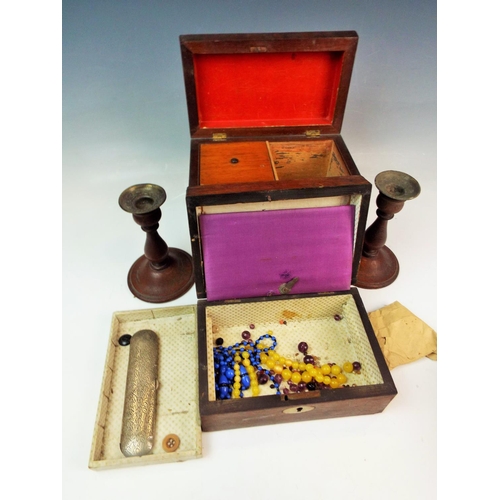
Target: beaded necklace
{"type": "Point", "coordinates": [248, 364]}
{"type": "Point", "coordinates": [238, 367]}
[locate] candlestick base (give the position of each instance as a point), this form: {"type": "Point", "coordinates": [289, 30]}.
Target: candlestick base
{"type": "Point", "coordinates": [378, 271]}
{"type": "Point", "coordinates": [167, 283]}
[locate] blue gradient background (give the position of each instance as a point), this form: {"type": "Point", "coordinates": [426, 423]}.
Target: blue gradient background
{"type": "Point", "coordinates": [123, 82]}
{"type": "Point", "coordinates": [125, 122]}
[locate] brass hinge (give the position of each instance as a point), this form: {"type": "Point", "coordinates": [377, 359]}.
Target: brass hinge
{"type": "Point", "coordinates": [220, 136]}
{"type": "Point", "coordinates": [313, 133]}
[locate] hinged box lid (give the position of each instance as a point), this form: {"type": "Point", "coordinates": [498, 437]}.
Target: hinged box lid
{"type": "Point", "coordinates": [241, 85]}
{"type": "Point", "coordinates": [254, 243]}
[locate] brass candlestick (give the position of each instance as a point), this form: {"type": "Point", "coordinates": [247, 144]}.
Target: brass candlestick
{"type": "Point", "coordinates": [162, 273]}
{"type": "Point", "coordinates": [379, 267]}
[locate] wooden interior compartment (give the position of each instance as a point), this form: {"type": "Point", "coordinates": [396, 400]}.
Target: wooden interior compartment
{"type": "Point", "coordinates": [230, 163]}
{"type": "Point", "coordinates": [304, 159]}
{"type": "Point", "coordinates": [310, 319]}
{"type": "Point", "coordinates": [177, 400]}
{"type": "Point", "coordinates": [235, 162]}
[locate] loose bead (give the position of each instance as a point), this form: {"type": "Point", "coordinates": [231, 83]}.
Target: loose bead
{"type": "Point", "coordinates": [334, 383]}
{"type": "Point", "coordinates": [336, 370]}
{"type": "Point", "coordinates": [348, 367]}
{"type": "Point", "coordinates": [308, 359]}
{"type": "Point", "coordinates": [245, 382]}
{"type": "Point", "coordinates": [124, 340]}
{"type": "Point", "coordinates": [356, 365]}
{"type": "Point", "coordinates": [270, 363]}
{"type": "Point", "coordinates": [219, 341]}
{"type": "Point", "coordinates": [325, 369]}
{"type": "Point", "coordinates": [224, 392]}
{"type": "Point", "coordinates": [245, 334]}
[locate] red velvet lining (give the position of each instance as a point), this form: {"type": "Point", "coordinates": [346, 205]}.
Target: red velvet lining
{"type": "Point", "coordinates": [271, 89]}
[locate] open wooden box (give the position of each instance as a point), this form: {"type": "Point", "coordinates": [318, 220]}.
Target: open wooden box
{"type": "Point", "coordinates": [291, 317]}
{"type": "Point", "coordinates": [266, 110]}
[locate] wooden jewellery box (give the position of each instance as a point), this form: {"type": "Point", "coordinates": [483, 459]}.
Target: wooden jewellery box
{"type": "Point", "coordinates": [276, 242]}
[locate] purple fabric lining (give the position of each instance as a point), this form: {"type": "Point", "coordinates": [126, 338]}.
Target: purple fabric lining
{"type": "Point", "coordinates": [250, 254]}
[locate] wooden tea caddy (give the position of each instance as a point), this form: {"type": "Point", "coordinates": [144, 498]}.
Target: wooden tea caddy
{"type": "Point", "coordinates": [250, 169]}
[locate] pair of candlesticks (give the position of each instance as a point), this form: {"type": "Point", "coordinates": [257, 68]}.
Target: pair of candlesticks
{"type": "Point", "coordinates": [164, 273]}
